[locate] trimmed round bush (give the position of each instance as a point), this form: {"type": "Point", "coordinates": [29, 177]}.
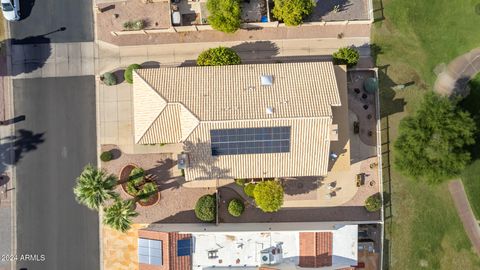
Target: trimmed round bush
{"type": "Point", "coordinates": [106, 156]}
{"type": "Point", "coordinates": [236, 207]}
{"type": "Point", "coordinates": [268, 196]}
{"type": "Point", "coordinates": [373, 203]}
{"type": "Point", "coordinates": [220, 56]}
{"type": "Point", "coordinates": [206, 208]}
{"type": "Point", "coordinates": [346, 56]}
{"type": "Point", "coordinates": [225, 15]}
{"type": "Point", "coordinates": [248, 189]}
{"type": "Point", "coordinates": [128, 72]}
{"type": "Point", "coordinates": [109, 78]}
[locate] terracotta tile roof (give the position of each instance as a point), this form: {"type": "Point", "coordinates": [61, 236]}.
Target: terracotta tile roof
{"type": "Point", "coordinates": [315, 249]}
{"type": "Point", "coordinates": [169, 245]}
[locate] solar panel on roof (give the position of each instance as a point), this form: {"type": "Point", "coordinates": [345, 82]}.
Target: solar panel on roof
{"type": "Point", "coordinates": [184, 247]}
{"type": "Point", "coordinates": [250, 141]}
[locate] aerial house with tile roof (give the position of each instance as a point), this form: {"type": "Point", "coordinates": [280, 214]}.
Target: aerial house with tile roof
{"type": "Point", "coordinates": [243, 121]}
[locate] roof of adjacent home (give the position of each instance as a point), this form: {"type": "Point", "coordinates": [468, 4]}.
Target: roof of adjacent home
{"type": "Point", "coordinates": [166, 98]}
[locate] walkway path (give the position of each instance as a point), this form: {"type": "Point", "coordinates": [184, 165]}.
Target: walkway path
{"type": "Point", "coordinates": [465, 212]}
{"type": "Point", "coordinates": [454, 78]}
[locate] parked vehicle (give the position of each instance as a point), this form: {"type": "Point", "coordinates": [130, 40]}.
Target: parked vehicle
{"type": "Point", "coordinates": [11, 10]}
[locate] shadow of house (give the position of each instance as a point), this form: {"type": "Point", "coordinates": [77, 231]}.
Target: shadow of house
{"type": "Point", "coordinates": [13, 148]}
{"type": "Point", "coordinates": [181, 217]}
{"type": "Point", "coordinates": [202, 161]}
{"type": "Point", "coordinates": [26, 7]}
{"type": "Point", "coordinates": [300, 185]}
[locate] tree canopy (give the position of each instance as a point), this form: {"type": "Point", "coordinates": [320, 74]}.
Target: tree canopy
{"type": "Point", "coordinates": [292, 12]}
{"type": "Point", "coordinates": [268, 195]}
{"type": "Point", "coordinates": [94, 187]}
{"type": "Point", "coordinates": [119, 215]}
{"type": "Point", "coordinates": [219, 56]}
{"type": "Point", "coordinates": [224, 15]}
{"type": "Point", "coordinates": [432, 142]}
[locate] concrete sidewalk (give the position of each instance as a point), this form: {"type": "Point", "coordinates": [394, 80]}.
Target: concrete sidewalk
{"type": "Point", "coordinates": [111, 57]}
{"type": "Point", "coordinates": [465, 212]}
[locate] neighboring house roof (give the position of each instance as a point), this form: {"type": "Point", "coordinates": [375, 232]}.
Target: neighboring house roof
{"type": "Point", "coordinates": [184, 104]}
{"type": "Point", "coordinates": [171, 260]}
{"type": "Point", "coordinates": [315, 249]}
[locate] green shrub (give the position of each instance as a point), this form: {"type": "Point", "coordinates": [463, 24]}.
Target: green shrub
{"type": "Point", "coordinates": [131, 188]}
{"type": "Point", "coordinates": [268, 195]}
{"type": "Point", "coordinates": [218, 57]}
{"type": "Point", "coordinates": [147, 190]}
{"type": "Point", "coordinates": [373, 203]}
{"type": "Point", "coordinates": [137, 176]}
{"type": "Point", "coordinates": [292, 12]}
{"type": "Point", "coordinates": [206, 208]}
{"type": "Point", "coordinates": [248, 189]}
{"type": "Point", "coordinates": [106, 156]}
{"type": "Point", "coordinates": [224, 15]}
{"type": "Point", "coordinates": [346, 56]}
{"type": "Point", "coordinates": [134, 25]}
{"type": "Point", "coordinates": [109, 78]}
{"type": "Point", "coordinates": [240, 182]}
{"type": "Point", "coordinates": [235, 207]}
{"type": "Point", "coordinates": [128, 72]}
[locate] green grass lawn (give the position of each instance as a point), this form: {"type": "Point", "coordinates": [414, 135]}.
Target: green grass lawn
{"type": "Point", "coordinates": [423, 230]}
{"type": "Point", "coordinates": [471, 176]}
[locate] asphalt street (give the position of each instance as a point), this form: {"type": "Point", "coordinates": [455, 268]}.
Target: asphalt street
{"type": "Point", "coordinates": [40, 17]}
{"type": "Point", "coordinates": [53, 143]}
{"type": "Point", "coordinates": [56, 139]}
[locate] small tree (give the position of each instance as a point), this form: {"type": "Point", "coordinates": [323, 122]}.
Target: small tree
{"type": "Point", "coordinates": [128, 75]}
{"type": "Point", "coordinates": [373, 203]}
{"type": "Point", "coordinates": [224, 15]}
{"type": "Point", "coordinates": [236, 207]}
{"type": "Point", "coordinates": [119, 215]}
{"type": "Point", "coordinates": [206, 208]}
{"type": "Point", "coordinates": [292, 12]}
{"type": "Point", "coordinates": [268, 195]}
{"type": "Point", "coordinates": [346, 56]}
{"type": "Point", "coordinates": [94, 187]}
{"type": "Point", "coordinates": [220, 56]}
{"type": "Point", "coordinates": [432, 142]}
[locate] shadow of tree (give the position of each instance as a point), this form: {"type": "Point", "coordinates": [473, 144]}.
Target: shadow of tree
{"type": "Point", "coordinates": [257, 50]}
{"type": "Point", "coordinates": [26, 7]}
{"type": "Point", "coordinates": [390, 104]}
{"type": "Point", "coordinates": [201, 159]}
{"type": "Point", "coordinates": [163, 175]}
{"type": "Point", "coordinates": [470, 104]}
{"type": "Point", "coordinates": [13, 148]}
{"type": "Point", "coordinates": [325, 7]}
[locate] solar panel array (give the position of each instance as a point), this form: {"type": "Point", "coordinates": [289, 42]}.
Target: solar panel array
{"type": "Point", "coordinates": [184, 247]}
{"type": "Point", "coordinates": [250, 141]}
{"type": "Point", "coordinates": [150, 251]}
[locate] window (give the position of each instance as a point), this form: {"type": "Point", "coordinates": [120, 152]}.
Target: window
{"type": "Point", "coordinates": [150, 251]}
{"type": "Point", "coordinates": [250, 141]}
{"type": "Point", "coordinates": [184, 247]}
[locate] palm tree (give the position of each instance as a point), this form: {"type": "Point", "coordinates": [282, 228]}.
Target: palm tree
{"type": "Point", "coordinates": [94, 187]}
{"type": "Point", "coordinates": [119, 215]}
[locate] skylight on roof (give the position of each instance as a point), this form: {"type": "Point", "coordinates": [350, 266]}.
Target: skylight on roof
{"type": "Point", "coordinates": [266, 80]}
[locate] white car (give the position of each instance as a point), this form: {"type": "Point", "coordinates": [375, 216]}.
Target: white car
{"type": "Point", "coordinates": [11, 10]}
